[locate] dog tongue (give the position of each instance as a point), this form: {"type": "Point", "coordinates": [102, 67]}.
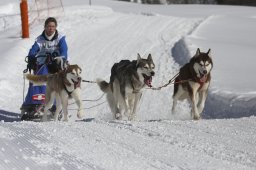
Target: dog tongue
{"type": "Point", "coordinates": [148, 81]}
{"type": "Point", "coordinates": [77, 84]}
{"type": "Point", "coordinates": [203, 79]}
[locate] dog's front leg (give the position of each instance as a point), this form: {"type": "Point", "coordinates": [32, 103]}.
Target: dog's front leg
{"type": "Point", "coordinates": [194, 112]}
{"type": "Point", "coordinates": [64, 102]}
{"type": "Point", "coordinates": [77, 97]}
{"type": "Point", "coordinates": [201, 104]}
{"type": "Point", "coordinates": [134, 106]}
{"type": "Point", "coordinates": [127, 105]}
{"type": "Point", "coordinates": [119, 111]}
{"type": "Point", "coordinates": [130, 106]}
{"type": "Point", "coordinates": [65, 110]}
{"type": "Point", "coordinates": [58, 107]}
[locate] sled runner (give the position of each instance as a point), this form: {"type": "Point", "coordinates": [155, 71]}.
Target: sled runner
{"type": "Point", "coordinates": [32, 106]}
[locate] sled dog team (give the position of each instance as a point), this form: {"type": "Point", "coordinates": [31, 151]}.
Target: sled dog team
{"type": "Point", "coordinates": [124, 90]}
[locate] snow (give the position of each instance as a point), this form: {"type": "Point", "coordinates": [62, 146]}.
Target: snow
{"type": "Point", "coordinates": [108, 31]}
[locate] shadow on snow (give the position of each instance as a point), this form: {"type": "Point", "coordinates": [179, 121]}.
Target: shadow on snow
{"type": "Point", "coordinates": [8, 116]}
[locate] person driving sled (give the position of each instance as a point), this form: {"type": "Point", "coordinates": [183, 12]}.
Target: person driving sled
{"type": "Point", "coordinates": [47, 55]}
{"type": "Point", "coordinates": [48, 45]}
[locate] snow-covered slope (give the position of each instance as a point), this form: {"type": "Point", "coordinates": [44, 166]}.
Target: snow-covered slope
{"type": "Point", "coordinates": [107, 32]}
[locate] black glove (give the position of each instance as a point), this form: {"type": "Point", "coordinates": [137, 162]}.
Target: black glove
{"type": "Point", "coordinates": [31, 63]}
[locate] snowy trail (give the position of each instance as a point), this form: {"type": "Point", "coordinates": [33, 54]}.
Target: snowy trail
{"type": "Point", "coordinates": [98, 37]}
{"type": "Point", "coordinates": [109, 37]}
{"type": "Point", "coordinates": [144, 145]}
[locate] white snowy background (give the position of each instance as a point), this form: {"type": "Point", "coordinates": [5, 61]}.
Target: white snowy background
{"type": "Point", "coordinates": [107, 32]}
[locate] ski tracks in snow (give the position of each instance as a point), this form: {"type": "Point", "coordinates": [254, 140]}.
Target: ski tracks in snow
{"type": "Point", "coordinates": [189, 139]}
{"type": "Point", "coordinates": [31, 146]}
{"type": "Point", "coordinates": [100, 144]}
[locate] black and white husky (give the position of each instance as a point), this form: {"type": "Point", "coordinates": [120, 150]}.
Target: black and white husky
{"type": "Point", "coordinates": [193, 82]}
{"type": "Point", "coordinates": [127, 80]}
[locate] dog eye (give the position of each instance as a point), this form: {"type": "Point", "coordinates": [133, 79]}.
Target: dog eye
{"type": "Point", "coordinates": [146, 67]}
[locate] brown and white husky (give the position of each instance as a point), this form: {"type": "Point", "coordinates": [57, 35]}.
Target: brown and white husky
{"type": "Point", "coordinates": [193, 82]}
{"type": "Point", "coordinates": [62, 86]}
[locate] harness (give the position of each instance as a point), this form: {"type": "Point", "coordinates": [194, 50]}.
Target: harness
{"type": "Point", "coordinates": [200, 81]}
{"type": "Point", "coordinates": [76, 85]}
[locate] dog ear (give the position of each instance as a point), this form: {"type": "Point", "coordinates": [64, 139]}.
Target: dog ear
{"type": "Point", "coordinates": [138, 59]}
{"type": "Point", "coordinates": [209, 52]}
{"type": "Point", "coordinates": [197, 52]}
{"type": "Point", "coordinates": [149, 57]}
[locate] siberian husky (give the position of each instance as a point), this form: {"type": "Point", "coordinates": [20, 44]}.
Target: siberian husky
{"type": "Point", "coordinates": [193, 82]}
{"type": "Point", "coordinates": [61, 86]}
{"type": "Point", "coordinates": [127, 80]}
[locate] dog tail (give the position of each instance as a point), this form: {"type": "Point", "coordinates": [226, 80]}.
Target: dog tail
{"type": "Point", "coordinates": [104, 86]}
{"type": "Point", "coordinates": [37, 79]}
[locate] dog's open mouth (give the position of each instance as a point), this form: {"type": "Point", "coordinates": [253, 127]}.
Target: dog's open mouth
{"type": "Point", "coordinates": [203, 77]}
{"type": "Point", "coordinates": [147, 80]}
{"type": "Point", "coordinates": [76, 83]}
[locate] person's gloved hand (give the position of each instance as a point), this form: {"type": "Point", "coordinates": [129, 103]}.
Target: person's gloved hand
{"type": "Point", "coordinates": [31, 63]}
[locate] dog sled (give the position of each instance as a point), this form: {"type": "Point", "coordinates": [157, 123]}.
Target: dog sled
{"type": "Point", "coordinates": [32, 106]}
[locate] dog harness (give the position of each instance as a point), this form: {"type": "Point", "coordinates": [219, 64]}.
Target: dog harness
{"type": "Point", "coordinates": [200, 81]}
{"type": "Point", "coordinates": [76, 85]}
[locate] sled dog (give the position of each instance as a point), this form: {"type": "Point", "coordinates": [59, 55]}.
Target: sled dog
{"type": "Point", "coordinates": [193, 82]}
{"type": "Point", "coordinates": [127, 80]}
{"type": "Point", "coordinates": [62, 86]}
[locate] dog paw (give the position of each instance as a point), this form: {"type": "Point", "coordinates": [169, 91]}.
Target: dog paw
{"type": "Point", "coordinates": [196, 117]}
{"type": "Point", "coordinates": [118, 116]}
{"type": "Point", "coordinates": [80, 114]}
{"type": "Point", "coordinates": [132, 119]}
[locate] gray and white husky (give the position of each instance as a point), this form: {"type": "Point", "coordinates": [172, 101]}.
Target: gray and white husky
{"type": "Point", "coordinates": [193, 82]}
{"type": "Point", "coordinates": [127, 80]}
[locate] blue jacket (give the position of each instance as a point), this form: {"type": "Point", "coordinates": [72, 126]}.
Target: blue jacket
{"type": "Point", "coordinates": [56, 45]}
